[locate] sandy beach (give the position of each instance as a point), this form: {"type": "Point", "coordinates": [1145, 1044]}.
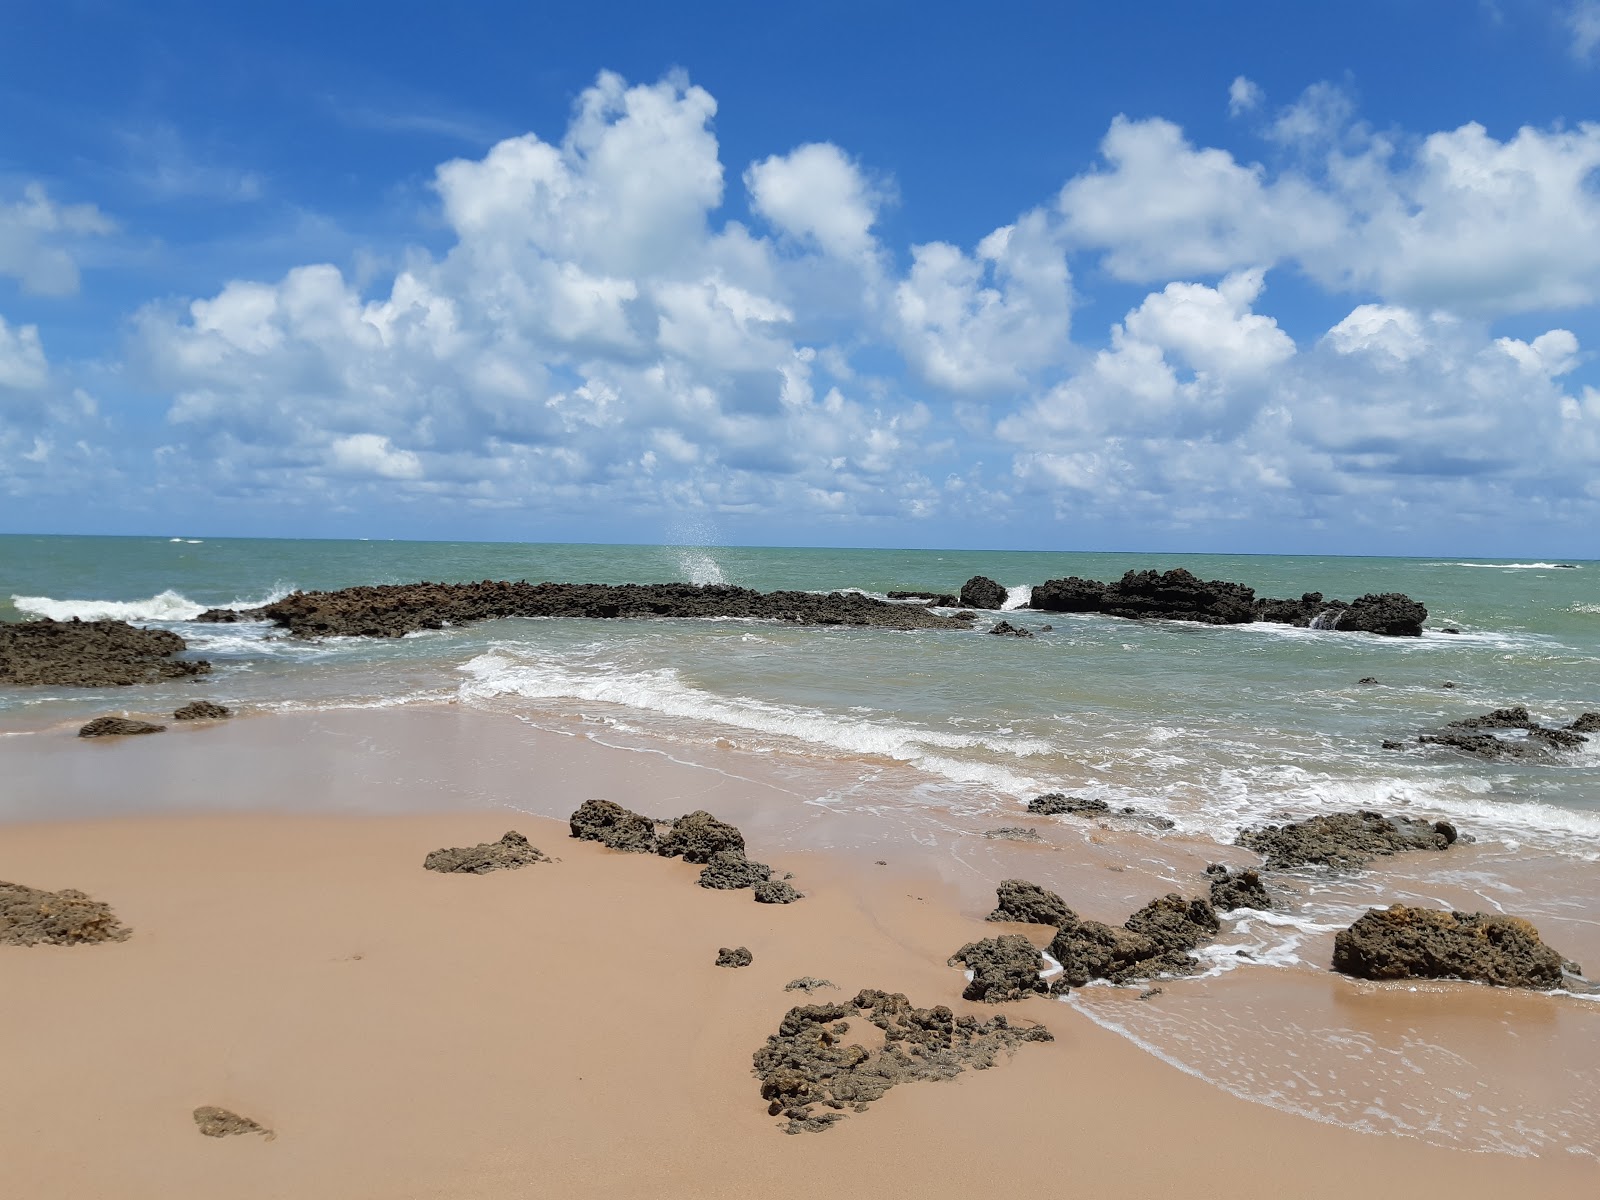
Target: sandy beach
{"type": "Point", "coordinates": [560, 1029]}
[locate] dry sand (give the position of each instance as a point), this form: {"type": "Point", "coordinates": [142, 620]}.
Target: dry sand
{"type": "Point", "coordinates": [558, 1030]}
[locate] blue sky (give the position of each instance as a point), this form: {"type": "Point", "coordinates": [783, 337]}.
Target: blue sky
{"type": "Point", "coordinates": [1161, 276]}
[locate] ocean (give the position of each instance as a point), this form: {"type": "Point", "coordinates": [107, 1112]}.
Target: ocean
{"type": "Point", "coordinates": [1210, 728]}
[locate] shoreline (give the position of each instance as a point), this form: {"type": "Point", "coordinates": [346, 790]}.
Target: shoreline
{"type": "Point", "coordinates": [893, 926]}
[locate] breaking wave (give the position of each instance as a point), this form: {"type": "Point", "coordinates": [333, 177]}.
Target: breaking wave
{"type": "Point", "coordinates": [164, 606]}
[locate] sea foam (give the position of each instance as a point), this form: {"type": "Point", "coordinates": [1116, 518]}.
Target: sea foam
{"type": "Point", "coordinates": [164, 606]}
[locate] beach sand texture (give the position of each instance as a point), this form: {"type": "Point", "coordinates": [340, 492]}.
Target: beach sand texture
{"type": "Point", "coordinates": [558, 1030]}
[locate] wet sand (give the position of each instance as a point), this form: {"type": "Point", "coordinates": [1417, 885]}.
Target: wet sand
{"type": "Point", "coordinates": [561, 1030]}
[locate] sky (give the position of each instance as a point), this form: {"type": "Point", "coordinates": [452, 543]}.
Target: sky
{"type": "Point", "coordinates": [1235, 277]}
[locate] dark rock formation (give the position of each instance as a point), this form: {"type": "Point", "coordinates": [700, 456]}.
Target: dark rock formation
{"type": "Point", "coordinates": [1019, 900]}
{"type": "Point", "coordinates": [1558, 739]}
{"type": "Point", "coordinates": [1392, 614]}
{"type": "Point", "coordinates": [31, 916]}
{"type": "Point", "coordinates": [614, 826]}
{"type": "Point", "coordinates": [1232, 890]}
{"type": "Point", "coordinates": [1368, 680]}
{"type": "Point", "coordinates": [1588, 722]}
{"type": "Point", "coordinates": [776, 891]}
{"type": "Point", "coordinates": [808, 1065]}
{"type": "Point", "coordinates": [202, 710]}
{"type": "Point", "coordinates": [1007, 629]}
{"type": "Point", "coordinates": [807, 984]}
{"type": "Point", "coordinates": [511, 851]}
{"type": "Point", "coordinates": [90, 654]}
{"type": "Point", "coordinates": [1311, 610]}
{"type": "Point", "coordinates": [696, 836]}
{"type": "Point", "coordinates": [1516, 717]}
{"type": "Point", "coordinates": [392, 610]}
{"type": "Point", "coordinates": [1013, 833]}
{"type": "Point", "coordinates": [1344, 840]}
{"type": "Point", "coordinates": [982, 592]}
{"type": "Point", "coordinates": [117, 727]}
{"type": "Point", "coordinates": [932, 599]}
{"type": "Point", "coordinates": [1156, 940]}
{"type": "Point", "coordinates": [1390, 744]}
{"type": "Point", "coordinates": [1482, 745]}
{"type": "Point", "coordinates": [727, 870]}
{"type": "Point", "coordinates": [738, 956]}
{"type": "Point", "coordinates": [1055, 803]}
{"type": "Point", "coordinates": [1425, 943]}
{"type": "Point", "coordinates": [219, 1122]}
{"type": "Point", "coordinates": [1003, 968]}
{"type": "Point", "coordinates": [1168, 595]}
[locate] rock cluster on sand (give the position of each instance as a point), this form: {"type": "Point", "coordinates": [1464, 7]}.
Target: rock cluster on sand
{"type": "Point", "coordinates": [32, 916]}
{"type": "Point", "coordinates": [1028, 903]}
{"type": "Point", "coordinates": [738, 956]}
{"type": "Point", "coordinates": [808, 984]}
{"type": "Point", "coordinates": [1424, 943]}
{"type": "Point", "coordinates": [219, 1122]}
{"type": "Point", "coordinates": [202, 710]}
{"type": "Point", "coordinates": [982, 592]}
{"type": "Point", "coordinates": [1057, 803]}
{"type": "Point", "coordinates": [696, 837]}
{"type": "Point", "coordinates": [90, 654]}
{"type": "Point", "coordinates": [1156, 940]}
{"type": "Point", "coordinates": [118, 727]}
{"type": "Point", "coordinates": [393, 610]}
{"type": "Point", "coordinates": [511, 851]}
{"type": "Point", "coordinates": [613, 826]}
{"type": "Point", "coordinates": [1231, 890]}
{"type": "Point", "coordinates": [1346, 840]}
{"type": "Point", "coordinates": [1003, 968]}
{"type": "Point", "coordinates": [808, 1065]}
{"type": "Point", "coordinates": [1178, 595]}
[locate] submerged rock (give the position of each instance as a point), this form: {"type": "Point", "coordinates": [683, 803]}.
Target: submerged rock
{"type": "Point", "coordinates": [511, 851]}
{"type": "Point", "coordinates": [118, 727]}
{"type": "Point", "coordinates": [1344, 840]}
{"type": "Point", "coordinates": [738, 956]}
{"type": "Point", "coordinates": [933, 599]}
{"type": "Point", "coordinates": [1155, 940]}
{"type": "Point", "coordinates": [219, 1122]}
{"type": "Point", "coordinates": [776, 891]}
{"type": "Point", "coordinates": [1003, 968]}
{"type": "Point", "coordinates": [727, 870]}
{"type": "Point", "coordinates": [1232, 890]}
{"type": "Point", "coordinates": [696, 836]}
{"type": "Point", "coordinates": [1007, 629]}
{"type": "Point", "coordinates": [807, 1065]}
{"type": "Point", "coordinates": [613, 826]}
{"type": "Point", "coordinates": [393, 610]}
{"type": "Point", "coordinates": [1056, 803]}
{"type": "Point", "coordinates": [90, 654]}
{"type": "Point", "coordinates": [1515, 717]}
{"type": "Point", "coordinates": [982, 592]}
{"type": "Point", "coordinates": [1559, 739]}
{"type": "Point", "coordinates": [1013, 833]}
{"type": "Point", "coordinates": [202, 710]}
{"type": "Point", "coordinates": [32, 916]}
{"type": "Point", "coordinates": [1424, 943]}
{"type": "Point", "coordinates": [1588, 722]}
{"type": "Point", "coordinates": [1481, 745]}
{"type": "Point", "coordinates": [1019, 900]}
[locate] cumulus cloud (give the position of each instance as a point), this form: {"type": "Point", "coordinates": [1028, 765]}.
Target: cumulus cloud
{"type": "Point", "coordinates": [39, 239]}
{"type": "Point", "coordinates": [43, 420]}
{"type": "Point", "coordinates": [1582, 19]}
{"type": "Point", "coordinates": [817, 192]}
{"type": "Point", "coordinates": [1244, 95]}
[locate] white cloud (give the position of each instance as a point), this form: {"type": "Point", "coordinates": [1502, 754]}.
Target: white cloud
{"type": "Point", "coordinates": [44, 421]}
{"type": "Point", "coordinates": [1582, 19]}
{"type": "Point", "coordinates": [817, 192]}
{"type": "Point", "coordinates": [22, 363]}
{"type": "Point", "coordinates": [1244, 95]}
{"type": "Point", "coordinates": [985, 321]}
{"type": "Point", "coordinates": [38, 238]}
{"type": "Point", "coordinates": [371, 454]}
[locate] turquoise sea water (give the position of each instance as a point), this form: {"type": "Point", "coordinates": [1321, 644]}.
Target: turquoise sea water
{"type": "Point", "coordinates": [1212, 727]}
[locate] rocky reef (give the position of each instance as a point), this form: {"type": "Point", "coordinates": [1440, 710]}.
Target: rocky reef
{"type": "Point", "coordinates": [118, 727]}
{"type": "Point", "coordinates": [1155, 940]}
{"type": "Point", "coordinates": [1231, 890]}
{"type": "Point", "coordinates": [1346, 840]}
{"type": "Point", "coordinates": [982, 592]}
{"type": "Point", "coordinates": [90, 654]}
{"type": "Point", "coordinates": [1179, 595]}
{"type": "Point", "coordinates": [393, 610]}
{"type": "Point", "coordinates": [613, 826]}
{"type": "Point", "coordinates": [809, 1074]}
{"type": "Point", "coordinates": [31, 916]}
{"type": "Point", "coordinates": [1400, 942]}
{"type": "Point", "coordinates": [1058, 803]}
{"type": "Point", "coordinates": [510, 852]}
{"type": "Point", "coordinates": [202, 710]}
{"type": "Point", "coordinates": [1003, 968]}
{"type": "Point", "coordinates": [696, 837]}
{"type": "Point", "coordinates": [1480, 737]}
{"type": "Point", "coordinates": [1029, 904]}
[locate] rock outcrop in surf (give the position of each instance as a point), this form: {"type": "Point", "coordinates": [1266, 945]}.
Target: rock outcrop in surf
{"type": "Point", "coordinates": [510, 852]}
{"type": "Point", "coordinates": [32, 916]}
{"type": "Point", "coordinates": [1179, 595]}
{"type": "Point", "coordinates": [90, 654]}
{"type": "Point", "coordinates": [1345, 840]}
{"type": "Point", "coordinates": [118, 727]}
{"type": "Point", "coordinates": [1401, 942]}
{"type": "Point", "coordinates": [1231, 890]}
{"type": "Point", "coordinates": [809, 1074]}
{"type": "Point", "coordinates": [1155, 940]}
{"type": "Point", "coordinates": [982, 592]}
{"type": "Point", "coordinates": [1480, 737]}
{"type": "Point", "coordinates": [202, 710]}
{"type": "Point", "coordinates": [394, 610]}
